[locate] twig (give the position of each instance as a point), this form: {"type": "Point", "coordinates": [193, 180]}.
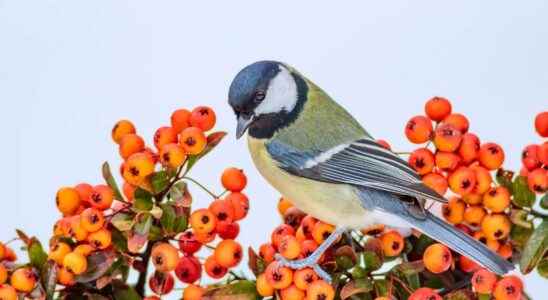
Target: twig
{"type": "Point", "coordinates": [141, 282]}
{"type": "Point", "coordinates": [236, 276]}
{"type": "Point", "coordinates": [407, 289]}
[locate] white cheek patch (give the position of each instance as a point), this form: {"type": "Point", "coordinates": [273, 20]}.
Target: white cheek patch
{"type": "Point", "coordinates": [281, 94]}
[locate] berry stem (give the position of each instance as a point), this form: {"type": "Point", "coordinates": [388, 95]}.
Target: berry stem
{"type": "Point", "coordinates": [201, 186]}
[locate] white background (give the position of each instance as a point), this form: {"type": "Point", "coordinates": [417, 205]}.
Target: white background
{"type": "Point", "coordinates": [70, 69]}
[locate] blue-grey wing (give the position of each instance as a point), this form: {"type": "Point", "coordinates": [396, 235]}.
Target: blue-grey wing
{"type": "Point", "coordinates": [362, 163]}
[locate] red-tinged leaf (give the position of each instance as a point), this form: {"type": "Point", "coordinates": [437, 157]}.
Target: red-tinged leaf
{"type": "Point", "coordinates": [98, 264]}
{"type": "Point", "coordinates": [23, 236]}
{"type": "Point", "coordinates": [354, 287]}
{"type": "Point", "coordinates": [101, 282]}
{"type": "Point", "coordinates": [136, 242]}
{"type": "Point", "coordinates": [213, 140]}
{"type": "Point", "coordinates": [111, 182]}
{"type": "Point", "coordinates": [255, 263]}
{"type": "Point", "coordinates": [240, 290]}
{"type": "Point", "coordinates": [181, 195]}
{"type": "Point", "coordinates": [535, 248]}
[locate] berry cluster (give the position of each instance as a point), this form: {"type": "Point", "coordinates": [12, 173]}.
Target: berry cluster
{"type": "Point", "coordinates": [534, 158]}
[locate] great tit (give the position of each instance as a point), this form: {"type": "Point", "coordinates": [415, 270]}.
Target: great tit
{"type": "Point", "coordinates": [315, 153]}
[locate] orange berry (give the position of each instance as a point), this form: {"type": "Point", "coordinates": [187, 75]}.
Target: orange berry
{"type": "Point", "coordinates": [418, 129]}
{"type": "Point", "coordinates": [203, 221]}
{"type": "Point", "coordinates": [180, 119]}
{"type": "Point", "coordinates": [263, 287]}
{"type": "Point", "coordinates": [120, 129]}
{"type": "Point", "coordinates": [279, 232]}
{"type": "Point", "coordinates": [3, 274]}
{"type": "Point", "coordinates": [65, 277]}
{"type": "Point", "coordinates": [163, 136]}
{"type": "Point", "coordinates": [233, 179]}
{"type": "Point", "coordinates": [483, 281]}
{"type": "Point", "coordinates": [508, 288]}
{"type": "Point", "coordinates": [497, 199]}
{"type": "Point", "coordinates": [491, 156]}
{"type": "Point", "coordinates": [228, 253]}
{"type": "Point", "coordinates": [320, 290]}
{"type": "Point", "coordinates": [10, 255]}
{"type": "Point", "coordinates": [240, 203]}
{"type": "Point", "coordinates": [467, 265]}
{"type": "Point", "coordinates": [447, 138]}
{"type": "Point", "coordinates": [459, 121]}
{"type": "Point", "coordinates": [537, 180]}
{"type": "Point", "coordinates": [543, 153]}
{"type": "Point", "coordinates": [304, 277]}
{"type": "Point", "coordinates": [92, 219]}
{"type": "Point", "coordinates": [205, 237]}
{"type": "Point", "coordinates": [172, 155]}
{"type": "Point", "coordinates": [84, 249]}
{"type": "Point", "coordinates": [322, 231]}
{"type": "Point", "coordinates": [130, 144]}
{"type": "Point", "coordinates": [496, 226]}
{"type": "Point", "coordinates": [437, 258]}
{"type": "Point", "coordinates": [129, 191]}
{"type": "Point", "coordinates": [422, 161]}
{"type": "Point", "coordinates": [437, 108]}
{"type": "Point", "coordinates": [473, 198]}
{"type": "Point", "coordinates": [447, 161]}
{"type": "Point", "coordinates": [213, 268]}
{"type": "Point", "coordinates": [223, 210]}
{"type": "Point", "coordinates": [462, 181]}
{"type": "Point", "coordinates": [424, 293]}
{"type": "Point", "coordinates": [541, 124]}
{"type": "Point", "coordinates": [165, 257]}
{"type": "Point", "coordinates": [308, 247]}
{"type": "Point", "coordinates": [436, 182]}
{"type": "Point", "coordinates": [289, 247]}
{"type": "Point", "coordinates": [491, 244]}
{"type": "Point", "coordinates": [23, 279]}
{"type": "Point", "coordinates": [62, 227]}
{"type": "Point", "coordinates": [267, 252]}
{"type": "Point", "coordinates": [203, 117]}
{"type": "Point", "coordinates": [474, 214]}
{"type": "Point", "coordinates": [283, 205]}
{"type": "Point", "coordinates": [137, 167]}
{"type": "Point", "coordinates": [292, 293]}
{"type": "Point", "coordinates": [77, 231]}
{"type": "Point", "coordinates": [530, 158]}
{"type": "Point", "coordinates": [75, 263]}
{"type": "Point", "coordinates": [483, 179]}
{"type": "Point", "coordinates": [67, 200]}
{"type": "Point", "coordinates": [307, 224]}
{"type": "Point", "coordinates": [453, 211]}
{"type": "Point", "coordinates": [373, 230]}
{"type": "Point", "coordinates": [84, 191]}
{"type": "Point", "coordinates": [384, 144]}
{"type": "Point", "coordinates": [193, 140]}
{"type": "Point", "coordinates": [102, 197]}
{"type": "Point", "coordinates": [505, 251]}
{"type": "Point", "coordinates": [7, 292]}
{"type": "Point", "coordinates": [469, 147]}
{"type": "Point", "coordinates": [392, 243]}
{"type": "Point", "coordinates": [100, 239]}
{"type": "Point", "coordinates": [58, 251]}
{"type": "Point", "coordinates": [193, 292]}
{"type": "Point", "coordinates": [150, 153]}
{"type": "Point", "coordinates": [277, 276]}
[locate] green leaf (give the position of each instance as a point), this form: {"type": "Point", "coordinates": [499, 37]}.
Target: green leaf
{"type": "Point", "coordinates": [139, 235]}
{"type": "Point", "coordinates": [239, 290]}
{"type": "Point", "coordinates": [124, 292]}
{"type": "Point", "coordinates": [542, 267]}
{"type": "Point", "coordinates": [37, 255]}
{"type": "Point", "coordinates": [143, 224]}
{"type": "Point", "coordinates": [155, 233]}
{"type": "Point", "coordinates": [98, 264]}
{"type": "Point", "coordinates": [107, 175]}
{"type": "Point", "coordinates": [544, 201]}
{"type": "Point", "coordinates": [422, 243]}
{"type": "Point", "coordinates": [519, 217]}
{"type": "Point", "coordinates": [119, 240]}
{"type": "Point", "coordinates": [49, 278]}
{"type": "Point", "coordinates": [122, 221]}
{"type": "Point", "coordinates": [504, 178]}
{"type": "Point", "coordinates": [370, 260]}
{"type": "Point", "coordinates": [159, 181]}
{"type": "Point", "coordinates": [143, 200]}
{"type": "Point", "coordinates": [535, 248]}
{"type": "Point", "coordinates": [168, 217]}
{"type": "Point", "coordinates": [461, 294]}
{"type": "Point", "coordinates": [520, 235]}
{"type": "Point", "coordinates": [523, 197]}
{"type": "Point", "coordinates": [381, 287]}
{"type": "Point", "coordinates": [355, 287]}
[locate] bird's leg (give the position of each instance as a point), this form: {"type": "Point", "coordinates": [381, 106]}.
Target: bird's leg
{"type": "Point", "coordinates": [312, 260]}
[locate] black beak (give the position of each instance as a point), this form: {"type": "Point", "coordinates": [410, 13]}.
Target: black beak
{"type": "Point", "coordinates": [244, 120]}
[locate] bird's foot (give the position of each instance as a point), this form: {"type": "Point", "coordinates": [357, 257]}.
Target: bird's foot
{"type": "Point", "coordinates": [309, 262]}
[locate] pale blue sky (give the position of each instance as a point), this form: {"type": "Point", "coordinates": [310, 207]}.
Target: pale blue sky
{"type": "Point", "coordinates": [70, 69]}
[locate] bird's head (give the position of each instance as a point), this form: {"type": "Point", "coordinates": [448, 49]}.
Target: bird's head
{"type": "Point", "coordinates": [264, 96]}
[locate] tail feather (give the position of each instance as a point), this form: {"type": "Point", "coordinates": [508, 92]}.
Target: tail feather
{"type": "Point", "coordinates": [462, 243]}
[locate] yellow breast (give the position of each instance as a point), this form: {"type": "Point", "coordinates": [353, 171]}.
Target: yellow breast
{"type": "Point", "coordinates": [335, 204]}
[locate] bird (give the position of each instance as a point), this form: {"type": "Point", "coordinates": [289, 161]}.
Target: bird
{"type": "Point", "coordinates": [314, 152]}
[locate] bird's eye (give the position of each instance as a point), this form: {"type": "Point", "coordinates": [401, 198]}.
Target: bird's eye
{"type": "Point", "coordinates": [259, 96]}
